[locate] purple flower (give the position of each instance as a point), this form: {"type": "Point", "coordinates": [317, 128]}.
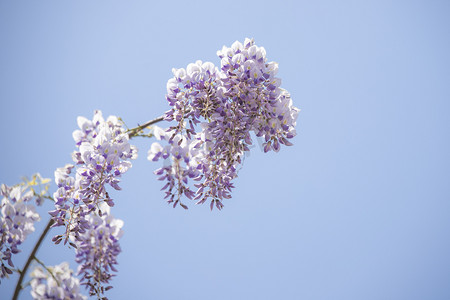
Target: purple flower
{"type": "Point", "coordinates": [96, 252]}
{"type": "Point", "coordinates": [102, 156]}
{"type": "Point", "coordinates": [215, 111]}
{"type": "Point", "coordinates": [17, 217]}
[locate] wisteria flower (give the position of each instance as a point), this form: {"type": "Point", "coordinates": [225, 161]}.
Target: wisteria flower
{"type": "Point", "coordinates": [55, 282]}
{"type": "Point", "coordinates": [215, 111]}
{"type": "Point", "coordinates": [103, 155]}
{"type": "Point", "coordinates": [96, 252]}
{"type": "Point", "coordinates": [18, 215]}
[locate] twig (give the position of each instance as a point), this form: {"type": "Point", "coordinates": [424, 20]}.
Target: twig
{"type": "Point", "coordinates": [48, 269]}
{"type": "Point", "coordinates": [135, 131]}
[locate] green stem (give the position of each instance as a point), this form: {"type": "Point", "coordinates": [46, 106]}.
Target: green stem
{"type": "Point", "coordinates": [30, 259]}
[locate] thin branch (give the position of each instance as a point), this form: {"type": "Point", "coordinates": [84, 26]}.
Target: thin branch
{"type": "Point", "coordinates": [48, 269]}
{"type": "Point", "coordinates": [30, 259]}
{"type": "Point", "coordinates": [135, 131]}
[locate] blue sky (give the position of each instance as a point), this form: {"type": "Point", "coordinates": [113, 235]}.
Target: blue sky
{"type": "Point", "coordinates": [358, 208]}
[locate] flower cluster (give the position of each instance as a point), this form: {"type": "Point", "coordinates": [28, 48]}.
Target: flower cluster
{"type": "Point", "coordinates": [55, 283]}
{"type": "Point", "coordinates": [97, 250]}
{"type": "Point", "coordinates": [215, 111]}
{"type": "Point", "coordinates": [102, 156]}
{"type": "Point", "coordinates": [18, 216]}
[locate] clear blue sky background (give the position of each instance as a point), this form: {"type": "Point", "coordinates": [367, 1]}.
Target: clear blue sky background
{"type": "Point", "coordinates": [358, 208]}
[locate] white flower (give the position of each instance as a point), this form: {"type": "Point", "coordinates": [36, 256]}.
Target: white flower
{"type": "Point", "coordinates": [55, 283]}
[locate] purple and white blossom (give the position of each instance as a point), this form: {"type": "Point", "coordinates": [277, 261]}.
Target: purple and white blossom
{"type": "Point", "coordinates": [102, 156]}
{"type": "Point", "coordinates": [55, 283]}
{"type": "Point", "coordinates": [17, 218]}
{"type": "Point", "coordinates": [184, 162]}
{"type": "Point", "coordinates": [96, 252]}
{"type": "Point", "coordinates": [215, 111]}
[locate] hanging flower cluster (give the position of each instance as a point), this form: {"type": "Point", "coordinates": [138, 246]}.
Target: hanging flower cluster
{"type": "Point", "coordinates": [215, 112]}
{"type": "Point", "coordinates": [55, 283]}
{"type": "Point", "coordinates": [18, 215]}
{"type": "Point", "coordinates": [97, 250]}
{"type": "Point", "coordinates": [102, 157]}
{"type": "Point", "coordinates": [82, 201]}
